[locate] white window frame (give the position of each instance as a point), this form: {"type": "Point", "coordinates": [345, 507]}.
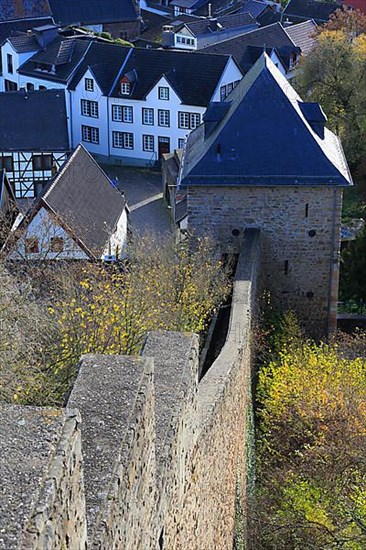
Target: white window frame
{"type": "Point", "coordinates": [122, 140]}
{"type": "Point", "coordinates": [147, 114]}
{"type": "Point", "coordinates": [164, 118]}
{"type": "Point", "coordinates": [89, 108]}
{"type": "Point", "coordinates": [183, 120]}
{"type": "Point", "coordinates": [188, 121]}
{"type": "Point", "coordinates": [148, 143]}
{"type": "Point", "coordinates": [194, 120]}
{"type": "Point", "coordinates": [127, 114]}
{"type": "Point", "coordinates": [125, 88]}
{"type": "Point", "coordinates": [223, 93]}
{"type": "Point", "coordinates": [163, 93]}
{"type": "Point", "coordinates": [117, 113]}
{"type": "Point", "coordinates": [90, 134]}
{"type": "Point", "coordinates": [89, 84]}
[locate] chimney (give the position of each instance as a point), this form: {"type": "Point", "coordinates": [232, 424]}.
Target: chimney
{"type": "Point", "coordinates": [287, 23]}
{"type": "Point", "coordinates": [45, 34]}
{"type": "Point", "coordinates": [210, 10]}
{"type": "Point", "coordinates": [168, 36]}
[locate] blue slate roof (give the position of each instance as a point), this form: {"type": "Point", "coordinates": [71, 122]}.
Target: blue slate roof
{"type": "Point", "coordinates": [33, 121]}
{"type": "Point", "coordinates": [264, 139]}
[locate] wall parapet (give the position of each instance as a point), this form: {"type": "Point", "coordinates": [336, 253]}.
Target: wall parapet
{"type": "Point", "coordinates": [160, 450]}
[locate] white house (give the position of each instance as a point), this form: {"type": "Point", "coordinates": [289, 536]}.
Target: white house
{"type": "Point", "coordinates": [129, 105]}
{"type": "Point", "coordinates": [80, 215]}
{"type": "Point", "coordinates": [203, 31]}
{"type": "Point", "coordinates": [156, 99]}
{"type": "Point", "coordinates": [17, 50]}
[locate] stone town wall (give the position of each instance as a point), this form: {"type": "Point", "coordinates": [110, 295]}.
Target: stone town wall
{"type": "Point", "coordinates": [161, 451]}
{"type": "Point", "coordinates": [300, 239]}
{"type": "Point", "coordinates": [42, 497]}
{"type": "Point", "coordinates": [205, 518]}
{"type": "Point", "coordinates": [58, 518]}
{"type": "Point", "coordinates": [129, 511]}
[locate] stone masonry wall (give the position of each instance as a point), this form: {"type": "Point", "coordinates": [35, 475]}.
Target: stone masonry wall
{"type": "Point", "coordinates": [300, 239]}
{"type": "Point", "coordinates": [205, 519]}
{"type": "Point", "coordinates": [42, 503]}
{"type": "Point", "coordinates": [161, 451]}
{"type": "Point", "coordinates": [115, 396]}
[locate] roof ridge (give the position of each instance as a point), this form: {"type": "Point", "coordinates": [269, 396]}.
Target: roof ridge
{"type": "Point", "coordinates": [239, 36]}
{"type": "Point", "coordinates": [302, 117]}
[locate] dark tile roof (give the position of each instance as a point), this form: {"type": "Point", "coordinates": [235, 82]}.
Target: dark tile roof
{"type": "Point", "coordinates": [208, 26]}
{"type": "Point", "coordinates": [23, 9]}
{"type": "Point", "coordinates": [178, 67]}
{"type": "Point", "coordinates": [24, 43]}
{"type": "Point", "coordinates": [87, 12]}
{"type": "Point", "coordinates": [264, 139]}
{"type": "Point", "coordinates": [152, 24]}
{"type": "Point", "coordinates": [254, 7]}
{"type": "Point", "coordinates": [104, 60]}
{"type": "Point", "coordinates": [33, 121]}
{"type": "Point", "coordinates": [273, 36]}
{"type": "Point", "coordinates": [269, 17]}
{"type": "Point", "coordinates": [64, 53]}
{"type": "Point", "coordinates": [12, 28]}
{"type": "Point", "coordinates": [300, 10]}
{"type": "Point", "coordinates": [302, 35]}
{"type": "Point", "coordinates": [190, 4]}
{"type": "Point", "coordinates": [84, 199]}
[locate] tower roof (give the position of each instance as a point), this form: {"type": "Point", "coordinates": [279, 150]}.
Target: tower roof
{"type": "Point", "coordinates": [264, 135]}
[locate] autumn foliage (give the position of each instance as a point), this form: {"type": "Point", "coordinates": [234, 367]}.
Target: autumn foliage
{"type": "Point", "coordinates": [101, 308]}
{"type": "Point", "coordinates": [311, 468]}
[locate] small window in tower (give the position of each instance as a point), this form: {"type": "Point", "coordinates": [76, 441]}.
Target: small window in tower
{"type": "Point", "coordinates": [306, 210]}
{"type": "Point", "coordinates": [285, 267]}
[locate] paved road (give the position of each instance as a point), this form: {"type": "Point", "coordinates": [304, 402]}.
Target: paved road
{"type": "Point", "coordinates": [144, 197]}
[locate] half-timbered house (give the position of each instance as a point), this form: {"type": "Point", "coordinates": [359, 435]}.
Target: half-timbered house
{"type": "Point", "coordinates": [79, 215]}
{"type": "Point", "coordinates": [34, 140]}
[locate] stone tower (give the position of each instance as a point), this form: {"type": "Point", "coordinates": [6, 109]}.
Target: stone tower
{"type": "Point", "coordinates": [263, 158]}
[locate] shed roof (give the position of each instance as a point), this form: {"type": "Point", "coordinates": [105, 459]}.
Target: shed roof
{"type": "Point", "coordinates": [300, 10]}
{"type": "Point", "coordinates": [302, 35]}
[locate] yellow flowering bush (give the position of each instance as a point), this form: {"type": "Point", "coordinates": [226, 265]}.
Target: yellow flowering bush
{"type": "Point", "coordinates": [163, 286]}
{"type": "Point", "coordinates": [311, 490]}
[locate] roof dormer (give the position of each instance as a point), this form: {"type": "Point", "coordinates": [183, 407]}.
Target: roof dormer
{"type": "Point", "coordinates": [127, 82]}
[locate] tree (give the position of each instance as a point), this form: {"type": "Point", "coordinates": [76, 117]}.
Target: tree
{"type": "Point", "coordinates": [311, 491]}
{"type": "Point", "coordinates": [163, 286]}
{"type": "Point", "coordinates": [353, 269]}
{"type": "Point", "coordinates": [351, 22]}
{"type": "Point", "coordinates": [51, 313]}
{"type": "Point", "coordinates": [334, 74]}
{"type": "Point", "coordinates": [26, 332]}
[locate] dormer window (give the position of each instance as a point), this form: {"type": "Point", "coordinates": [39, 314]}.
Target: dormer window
{"type": "Point", "coordinates": [125, 88]}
